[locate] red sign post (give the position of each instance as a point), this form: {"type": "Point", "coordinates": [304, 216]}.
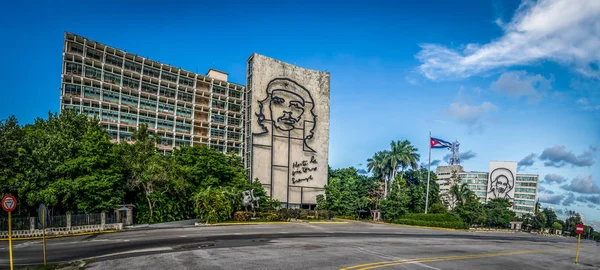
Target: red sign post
{"type": "Point", "coordinates": [9, 203]}
{"type": "Point", "coordinates": [579, 230]}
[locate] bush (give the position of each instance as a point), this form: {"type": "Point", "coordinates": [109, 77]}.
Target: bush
{"type": "Point", "coordinates": [446, 217]}
{"type": "Point", "coordinates": [242, 216]}
{"type": "Point", "coordinates": [440, 224]}
{"type": "Point", "coordinates": [272, 216]}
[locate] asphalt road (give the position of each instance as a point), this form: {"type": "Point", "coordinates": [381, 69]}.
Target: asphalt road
{"type": "Point", "coordinates": [354, 245]}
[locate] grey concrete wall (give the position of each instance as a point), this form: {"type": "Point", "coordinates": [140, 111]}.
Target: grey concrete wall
{"type": "Point", "coordinates": [290, 129]}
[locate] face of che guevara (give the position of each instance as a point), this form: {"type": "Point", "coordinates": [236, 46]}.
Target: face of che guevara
{"type": "Point", "coordinates": [502, 185]}
{"type": "Point", "coordinates": [287, 109]}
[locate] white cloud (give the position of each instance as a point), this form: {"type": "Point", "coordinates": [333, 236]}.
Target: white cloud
{"type": "Point", "coordinates": [585, 105]}
{"type": "Point", "coordinates": [584, 185]}
{"type": "Point", "coordinates": [471, 115]}
{"type": "Point", "coordinates": [564, 31]}
{"type": "Point", "coordinates": [519, 83]}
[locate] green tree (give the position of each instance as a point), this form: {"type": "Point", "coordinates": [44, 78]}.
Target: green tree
{"type": "Point", "coordinates": [149, 172]}
{"type": "Point", "coordinates": [396, 204]}
{"type": "Point", "coordinates": [11, 145]}
{"type": "Point", "coordinates": [381, 168]}
{"type": "Point", "coordinates": [556, 226]}
{"type": "Point", "coordinates": [403, 155]}
{"type": "Point", "coordinates": [551, 217]}
{"type": "Point", "coordinates": [215, 204]}
{"type": "Point", "coordinates": [92, 181]}
{"type": "Point", "coordinates": [499, 213]}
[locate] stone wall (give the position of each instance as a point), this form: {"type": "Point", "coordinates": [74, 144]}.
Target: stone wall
{"type": "Point", "coordinates": [289, 126]}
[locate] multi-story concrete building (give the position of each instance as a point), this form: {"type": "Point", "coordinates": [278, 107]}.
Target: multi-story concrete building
{"type": "Point", "coordinates": [501, 181]}
{"type": "Point", "coordinates": [272, 125]}
{"type": "Point", "coordinates": [123, 90]}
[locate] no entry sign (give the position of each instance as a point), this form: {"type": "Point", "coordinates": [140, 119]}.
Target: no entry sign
{"type": "Point", "coordinates": [9, 203]}
{"type": "Point", "coordinates": [579, 229]}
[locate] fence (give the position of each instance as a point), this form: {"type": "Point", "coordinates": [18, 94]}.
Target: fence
{"type": "Point", "coordinates": [26, 223]}
{"type": "Point", "coordinates": [65, 224]}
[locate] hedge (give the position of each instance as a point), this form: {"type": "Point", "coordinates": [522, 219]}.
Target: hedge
{"type": "Point", "coordinates": [440, 224]}
{"type": "Point", "coordinates": [445, 217]}
{"type": "Point", "coordinates": [287, 214]}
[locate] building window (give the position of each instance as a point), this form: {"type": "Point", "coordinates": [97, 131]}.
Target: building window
{"type": "Point", "coordinates": [215, 132]}
{"type": "Point", "coordinates": [71, 89]}
{"type": "Point", "coordinates": [218, 148]}
{"type": "Point", "coordinates": [90, 92]}
{"type": "Point", "coordinates": [129, 100]}
{"type": "Point", "coordinates": [182, 111]}
{"type": "Point", "coordinates": [148, 104]}
{"type": "Point", "coordinates": [73, 68]}
{"type": "Point", "coordinates": [219, 90]}
{"type": "Point", "coordinates": [233, 121]}
{"type": "Point", "coordinates": [112, 78]}
{"type": "Point", "coordinates": [525, 184]}
{"type": "Point", "coordinates": [165, 124]}
{"type": "Point", "coordinates": [233, 135]}
{"type": "Point", "coordinates": [169, 77]}
{"type": "Point", "coordinates": [217, 118]}
{"type": "Point", "coordinates": [235, 94]}
{"type": "Point", "coordinates": [76, 48]}
{"type": "Point", "coordinates": [149, 88]}
{"type": "Point", "coordinates": [133, 66]}
{"type": "Point", "coordinates": [110, 96]}
{"type": "Point", "coordinates": [91, 72]}
{"type": "Point", "coordinates": [131, 83]}
{"type": "Point", "coordinates": [186, 81]}
{"type": "Point", "coordinates": [151, 72]}
{"type": "Point", "coordinates": [218, 104]}
{"type": "Point", "coordinates": [94, 54]}
{"type": "Point", "coordinates": [162, 107]}
{"type": "Point", "coordinates": [113, 60]}
{"type": "Point", "coordinates": [185, 96]}
{"type": "Point", "coordinates": [235, 107]}
{"type": "Point", "coordinates": [166, 92]}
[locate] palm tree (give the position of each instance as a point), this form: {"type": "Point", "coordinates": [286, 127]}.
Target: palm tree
{"type": "Point", "coordinates": [380, 168]}
{"type": "Point", "coordinates": [460, 193]}
{"type": "Point", "coordinates": [402, 156]}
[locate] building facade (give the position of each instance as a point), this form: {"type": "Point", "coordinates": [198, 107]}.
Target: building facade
{"type": "Point", "coordinates": [279, 125]}
{"type": "Point", "coordinates": [501, 181]}
{"type": "Point", "coordinates": [124, 90]}
{"type": "Point", "coordinates": [288, 122]}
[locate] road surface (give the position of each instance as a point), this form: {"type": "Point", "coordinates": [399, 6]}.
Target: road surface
{"type": "Point", "coordinates": [355, 245]}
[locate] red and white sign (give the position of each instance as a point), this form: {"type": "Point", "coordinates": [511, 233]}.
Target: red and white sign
{"type": "Point", "coordinates": [9, 203]}
{"type": "Point", "coordinates": [579, 229]}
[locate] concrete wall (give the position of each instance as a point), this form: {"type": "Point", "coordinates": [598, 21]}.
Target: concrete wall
{"type": "Point", "coordinates": [289, 129]}
{"type": "Point", "coordinates": [501, 181]}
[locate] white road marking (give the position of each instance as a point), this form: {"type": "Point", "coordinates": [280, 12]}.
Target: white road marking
{"type": "Point", "coordinates": [395, 258]}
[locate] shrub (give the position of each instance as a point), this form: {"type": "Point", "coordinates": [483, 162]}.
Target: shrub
{"type": "Point", "coordinates": [242, 216]}
{"type": "Point", "coordinates": [440, 224]}
{"type": "Point", "coordinates": [446, 217]}
{"type": "Point", "coordinates": [273, 216]}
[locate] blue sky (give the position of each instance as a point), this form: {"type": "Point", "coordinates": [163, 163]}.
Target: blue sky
{"type": "Point", "coordinates": [507, 79]}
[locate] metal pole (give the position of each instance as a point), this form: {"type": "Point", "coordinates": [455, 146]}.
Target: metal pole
{"type": "Point", "coordinates": [10, 241]}
{"type": "Point", "coordinates": [428, 174]}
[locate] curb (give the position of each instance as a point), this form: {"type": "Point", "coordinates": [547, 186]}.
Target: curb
{"type": "Point", "coordinates": [242, 223]}
{"type": "Point", "coordinates": [57, 236]}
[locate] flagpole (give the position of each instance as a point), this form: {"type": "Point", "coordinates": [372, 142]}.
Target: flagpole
{"type": "Point", "coordinates": [428, 174]}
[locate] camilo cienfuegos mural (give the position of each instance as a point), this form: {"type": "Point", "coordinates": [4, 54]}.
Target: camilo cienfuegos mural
{"type": "Point", "coordinates": [289, 129]}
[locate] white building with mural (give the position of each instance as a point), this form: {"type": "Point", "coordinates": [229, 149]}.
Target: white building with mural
{"type": "Point", "coordinates": [501, 181]}
{"type": "Point", "coordinates": [287, 130]}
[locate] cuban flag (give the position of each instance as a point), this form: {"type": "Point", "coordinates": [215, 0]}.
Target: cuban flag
{"type": "Point", "coordinates": [438, 143]}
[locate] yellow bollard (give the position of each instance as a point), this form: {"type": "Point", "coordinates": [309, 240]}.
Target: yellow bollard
{"type": "Point", "coordinates": [44, 234]}
{"type": "Point", "coordinates": [10, 241]}
{"type": "Point", "coordinates": [577, 253]}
